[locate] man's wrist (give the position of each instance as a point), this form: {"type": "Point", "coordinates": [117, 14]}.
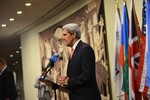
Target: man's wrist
{"type": "Point", "coordinates": [66, 80]}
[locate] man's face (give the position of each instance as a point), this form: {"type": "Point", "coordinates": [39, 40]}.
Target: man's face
{"type": "Point", "coordinates": [67, 38]}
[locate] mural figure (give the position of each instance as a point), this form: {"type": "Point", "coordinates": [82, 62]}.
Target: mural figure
{"type": "Point", "coordinates": [61, 65]}
{"type": "Point", "coordinates": [47, 52]}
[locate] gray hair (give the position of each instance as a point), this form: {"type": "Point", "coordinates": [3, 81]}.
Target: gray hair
{"type": "Point", "coordinates": [73, 28]}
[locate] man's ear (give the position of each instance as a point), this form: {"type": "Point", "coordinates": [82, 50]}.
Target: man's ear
{"type": "Point", "coordinates": [74, 35]}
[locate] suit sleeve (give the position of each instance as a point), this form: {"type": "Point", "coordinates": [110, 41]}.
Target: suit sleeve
{"type": "Point", "coordinates": [10, 88]}
{"type": "Point", "coordinates": [86, 63]}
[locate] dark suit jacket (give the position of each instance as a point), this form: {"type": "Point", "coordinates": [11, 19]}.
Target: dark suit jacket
{"type": "Point", "coordinates": [81, 73]}
{"type": "Point", "coordinates": [7, 85]}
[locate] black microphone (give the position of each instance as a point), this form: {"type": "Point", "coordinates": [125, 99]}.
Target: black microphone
{"type": "Point", "coordinates": [52, 60]}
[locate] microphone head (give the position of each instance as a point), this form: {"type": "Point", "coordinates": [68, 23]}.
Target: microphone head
{"type": "Point", "coordinates": [54, 58]}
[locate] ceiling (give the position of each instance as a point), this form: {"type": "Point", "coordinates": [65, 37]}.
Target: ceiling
{"type": "Point", "coordinates": [39, 12]}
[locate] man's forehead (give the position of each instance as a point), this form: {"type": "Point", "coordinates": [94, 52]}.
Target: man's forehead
{"type": "Point", "coordinates": [65, 31]}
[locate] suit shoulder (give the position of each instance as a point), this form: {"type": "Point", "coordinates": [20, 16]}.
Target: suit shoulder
{"type": "Point", "coordinates": [85, 45]}
{"type": "Point", "coordinates": [8, 71]}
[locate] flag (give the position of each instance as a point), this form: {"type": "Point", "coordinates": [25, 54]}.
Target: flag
{"type": "Point", "coordinates": [141, 75]}
{"type": "Point", "coordinates": [148, 42]}
{"type": "Point", "coordinates": [123, 57]}
{"type": "Point", "coordinates": [117, 70]}
{"type": "Point", "coordinates": [134, 53]}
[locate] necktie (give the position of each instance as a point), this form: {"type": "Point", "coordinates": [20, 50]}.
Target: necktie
{"type": "Point", "coordinates": [72, 50]}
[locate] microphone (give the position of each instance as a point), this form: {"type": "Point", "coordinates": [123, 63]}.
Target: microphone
{"type": "Point", "coordinates": [52, 60]}
{"type": "Point", "coordinates": [50, 65]}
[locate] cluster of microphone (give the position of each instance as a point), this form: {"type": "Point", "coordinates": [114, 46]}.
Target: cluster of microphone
{"type": "Point", "coordinates": [50, 65]}
{"type": "Point", "coordinates": [52, 60]}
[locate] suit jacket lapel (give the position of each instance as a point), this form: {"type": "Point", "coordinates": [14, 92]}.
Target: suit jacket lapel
{"type": "Point", "coordinates": [75, 54]}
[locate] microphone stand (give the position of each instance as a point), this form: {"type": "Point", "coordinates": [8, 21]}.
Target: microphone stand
{"type": "Point", "coordinates": [47, 69]}
{"type": "Point", "coordinates": [42, 77]}
{"type": "Point", "coordinates": [51, 83]}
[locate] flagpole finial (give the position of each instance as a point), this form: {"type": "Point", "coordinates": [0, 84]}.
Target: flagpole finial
{"type": "Point", "coordinates": [117, 3]}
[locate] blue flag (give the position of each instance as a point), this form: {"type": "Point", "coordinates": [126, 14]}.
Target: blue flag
{"type": "Point", "coordinates": [148, 42]}
{"type": "Point", "coordinates": [124, 49]}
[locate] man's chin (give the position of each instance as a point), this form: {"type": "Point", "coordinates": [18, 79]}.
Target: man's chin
{"type": "Point", "coordinates": [68, 45]}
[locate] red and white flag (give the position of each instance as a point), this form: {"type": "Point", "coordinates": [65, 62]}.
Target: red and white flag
{"type": "Point", "coordinates": [117, 70]}
{"type": "Point", "coordinates": [134, 53]}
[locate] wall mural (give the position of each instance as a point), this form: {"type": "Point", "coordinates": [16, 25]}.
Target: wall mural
{"type": "Point", "coordinates": [91, 20]}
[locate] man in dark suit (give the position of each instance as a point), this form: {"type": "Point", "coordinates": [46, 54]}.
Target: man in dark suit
{"type": "Point", "coordinates": [80, 79]}
{"type": "Point", "coordinates": [7, 84]}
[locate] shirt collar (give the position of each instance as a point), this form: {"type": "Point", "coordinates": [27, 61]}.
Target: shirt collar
{"type": "Point", "coordinates": [3, 69]}
{"type": "Point", "coordinates": [76, 43]}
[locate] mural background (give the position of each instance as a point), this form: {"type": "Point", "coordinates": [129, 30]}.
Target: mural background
{"type": "Point", "coordinates": [91, 19]}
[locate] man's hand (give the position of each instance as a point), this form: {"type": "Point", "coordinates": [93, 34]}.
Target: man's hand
{"type": "Point", "coordinates": [63, 80]}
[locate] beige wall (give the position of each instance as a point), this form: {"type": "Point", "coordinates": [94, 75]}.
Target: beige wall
{"type": "Point", "coordinates": [31, 51]}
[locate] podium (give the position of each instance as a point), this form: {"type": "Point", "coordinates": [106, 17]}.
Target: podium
{"type": "Point", "coordinates": [54, 86]}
